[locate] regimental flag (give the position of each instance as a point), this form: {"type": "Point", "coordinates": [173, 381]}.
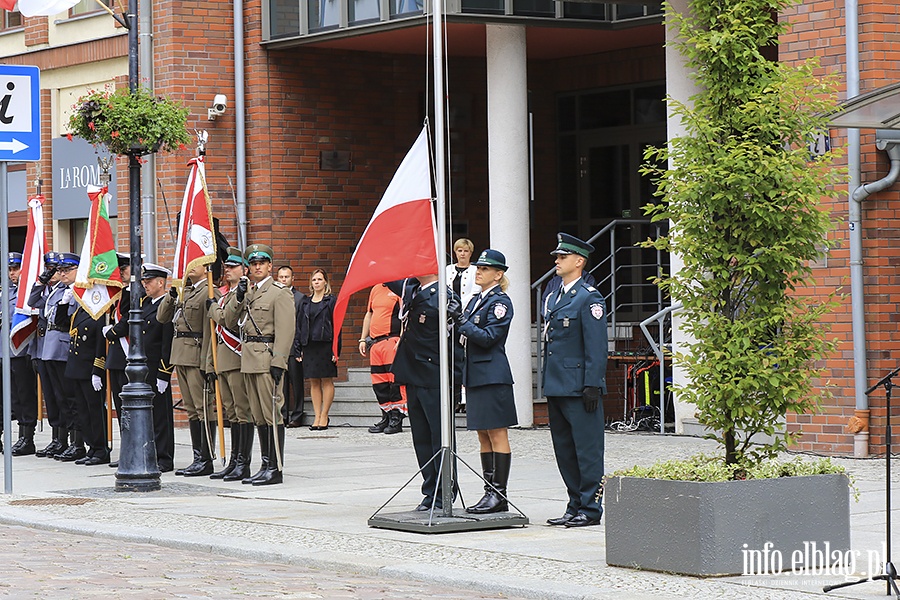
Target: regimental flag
{"type": "Point", "coordinates": [98, 283]}
{"type": "Point", "coordinates": [24, 322]}
{"type": "Point", "coordinates": [196, 243]}
{"type": "Point", "coordinates": [36, 8]}
{"type": "Point", "coordinates": [400, 240]}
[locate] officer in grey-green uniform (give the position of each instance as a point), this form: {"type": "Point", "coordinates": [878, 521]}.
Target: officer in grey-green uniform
{"type": "Point", "coordinates": [575, 356]}
{"type": "Point", "coordinates": [228, 372]}
{"type": "Point", "coordinates": [262, 309]}
{"type": "Point", "coordinates": [190, 351]}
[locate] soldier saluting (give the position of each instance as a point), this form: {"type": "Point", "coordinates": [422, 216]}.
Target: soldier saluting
{"type": "Point", "coordinates": [263, 312]}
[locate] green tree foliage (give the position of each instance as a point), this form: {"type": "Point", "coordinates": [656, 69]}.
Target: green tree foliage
{"type": "Point", "coordinates": [743, 196]}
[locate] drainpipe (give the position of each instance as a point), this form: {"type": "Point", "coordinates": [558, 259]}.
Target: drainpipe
{"type": "Point", "coordinates": [890, 142]}
{"type": "Point", "coordinates": [859, 424]}
{"type": "Point", "coordinates": [240, 136]}
{"type": "Point", "coordinates": [148, 169]}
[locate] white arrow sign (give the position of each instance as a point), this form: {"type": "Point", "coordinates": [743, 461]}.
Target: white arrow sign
{"type": "Point", "coordinates": [13, 146]}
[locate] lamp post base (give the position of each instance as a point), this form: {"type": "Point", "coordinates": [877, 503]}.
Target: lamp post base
{"type": "Point", "coordinates": [138, 471]}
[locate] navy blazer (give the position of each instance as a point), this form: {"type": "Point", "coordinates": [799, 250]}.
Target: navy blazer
{"type": "Point", "coordinates": [575, 342]}
{"type": "Point", "coordinates": [318, 328]}
{"type": "Point", "coordinates": [485, 327]}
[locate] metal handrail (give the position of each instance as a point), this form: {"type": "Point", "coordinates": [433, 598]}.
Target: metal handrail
{"type": "Point", "coordinates": [660, 318]}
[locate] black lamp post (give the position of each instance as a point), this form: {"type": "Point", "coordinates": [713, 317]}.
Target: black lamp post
{"type": "Point", "coordinates": [138, 471]}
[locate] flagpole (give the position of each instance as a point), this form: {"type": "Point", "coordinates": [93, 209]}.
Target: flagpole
{"type": "Point", "coordinates": [138, 470]}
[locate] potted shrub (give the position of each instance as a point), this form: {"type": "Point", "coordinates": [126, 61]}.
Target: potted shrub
{"type": "Point", "coordinates": [129, 123]}
{"type": "Point", "coordinates": [742, 194]}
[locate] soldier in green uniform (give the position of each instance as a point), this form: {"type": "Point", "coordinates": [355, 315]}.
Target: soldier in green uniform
{"type": "Point", "coordinates": [263, 312]}
{"type": "Point", "coordinates": [190, 352]}
{"type": "Point", "coordinates": [228, 372]}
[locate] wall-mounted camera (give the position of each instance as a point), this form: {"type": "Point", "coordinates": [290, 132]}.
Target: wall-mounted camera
{"type": "Point", "coordinates": [220, 103]}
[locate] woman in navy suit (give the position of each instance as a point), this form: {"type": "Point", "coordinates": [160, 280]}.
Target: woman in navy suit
{"type": "Point", "coordinates": [483, 328]}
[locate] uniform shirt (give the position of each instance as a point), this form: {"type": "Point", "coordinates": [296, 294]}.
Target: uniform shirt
{"type": "Point", "coordinates": [385, 308]}
{"type": "Point", "coordinates": [228, 358]}
{"type": "Point", "coordinates": [191, 347]}
{"type": "Point", "coordinates": [56, 336]}
{"type": "Point", "coordinates": [267, 311]}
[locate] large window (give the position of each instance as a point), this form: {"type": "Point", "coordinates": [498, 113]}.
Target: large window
{"type": "Point", "coordinates": [10, 19]}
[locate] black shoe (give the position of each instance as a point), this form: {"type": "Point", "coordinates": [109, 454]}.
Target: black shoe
{"type": "Point", "coordinates": [72, 453]}
{"type": "Point", "coordinates": [426, 503]}
{"type": "Point", "coordinates": [115, 465]}
{"type": "Point", "coordinates": [395, 422]}
{"type": "Point", "coordinates": [561, 520]}
{"type": "Point", "coordinates": [164, 467]}
{"type": "Point", "coordinates": [380, 426]}
{"type": "Point", "coordinates": [97, 459]}
{"type": "Point", "coordinates": [582, 520]}
{"type": "Point", "coordinates": [52, 448]}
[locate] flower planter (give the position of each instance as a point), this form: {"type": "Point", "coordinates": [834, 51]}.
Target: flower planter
{"type": "Point", "coordinates": [722, 528]}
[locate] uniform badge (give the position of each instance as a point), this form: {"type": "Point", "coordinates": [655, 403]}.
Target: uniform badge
{"type": "Point", "coordinates": [476, 319]}
{"type": "Point", "coordinates": [499, 310]}
{"type": "Point", "coordinates": [565, 321]}
{"type": "Point", "coordinates": [422, 318]}
{"type": "Point", "coordinates": [597, 311]}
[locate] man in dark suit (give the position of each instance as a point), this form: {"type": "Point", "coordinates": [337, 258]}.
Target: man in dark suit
{"type": "Point", "coordinates": [417, 366]}
{"type": "Point", "coordinates": [575, 354]}
{"type": "Point", "coordinates": [293, 383]}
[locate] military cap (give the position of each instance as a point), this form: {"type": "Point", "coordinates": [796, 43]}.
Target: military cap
{"type": "Point", "coordinates": [151, 271]}
{"type": "Point", "coordinates": [124, 259]}
{"type": "Point", "coordinates": [51, 259]}
{"type": "Point", "coordinates": [69, 259]}
{"type": "Point", "coordinates": [259, 252]}
{"type": "Point", "coordinates": [491, 258]}
{"type": "Point", "coordinates": [235, 257]}
{"type": "Point", "coordinates": [569, 244]}
{"type": "Point", "coordinates": [15, 259]}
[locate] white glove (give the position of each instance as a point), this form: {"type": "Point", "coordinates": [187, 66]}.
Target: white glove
{"type": "Point", "coordinates": [161, 385]}
{"type": "Point", "coordinates": [96, 382]}
{"type": "Point", "coordinates": [106, 330]}
{"type": "Point", "coordinates": [67, 296]}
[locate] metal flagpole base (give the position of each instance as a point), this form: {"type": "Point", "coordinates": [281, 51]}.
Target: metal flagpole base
{"type": "Point", "coordinates": [443, 520]}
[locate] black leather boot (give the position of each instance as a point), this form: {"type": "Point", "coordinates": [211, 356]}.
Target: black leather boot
{"type": "Point", "coordinates": [273, 474]}
{"type": "Point", "coordinates": [497, 501]}
{"type": "Point", "coordinates": [380, 426]}
{"type": "Point", "coordinates": [75, 450]}
{"type": "Point", "coordinates": [235, 449]}
{"type": "Point", "coordinates": [64, 435]}
{"type": "Point", "coordinates": [264, 443]}
{"type": "Point", "coordinates": [395, 422]}
{"type": "Point", "coordinates": [487, 471]}
{"type": "Point", "coordinates": [25, 444]}
{"type": "Point", "coordinates": [207, 441]}
{"type": "Point", "coordinates": [245, 453]}
{"type": "Point", "coordinates": [52, 448]}
{"type": "Point", "coordinates": [195, 445]}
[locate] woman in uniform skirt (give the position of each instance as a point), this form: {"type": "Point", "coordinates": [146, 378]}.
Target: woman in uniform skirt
{"type": "Point", "coordinates": [315, 334]}
{"type": "Point", "coordinates": [483, 328]}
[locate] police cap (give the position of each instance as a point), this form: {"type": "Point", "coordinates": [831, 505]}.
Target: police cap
{"type": "Point", "coordinates": [491, 258]}
{"type": "Point", "coordinates": [569, 244]}
{"type": "Point", "coordinates": [235, 257]}
{"type": "Point", "coordinates": [151, 271]}
{"type": "Point", "coordinates": [259, 252]}
{"type": "Point", "coordinates": [15, 259]}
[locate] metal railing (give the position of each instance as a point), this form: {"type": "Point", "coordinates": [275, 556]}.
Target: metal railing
{"type": "Point", "coordinates": [623, 274]}
{"type": "Point", "coordinates": [659, 346]}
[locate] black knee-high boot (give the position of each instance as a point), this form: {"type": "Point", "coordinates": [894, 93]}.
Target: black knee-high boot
{"type": "Point", "coordinates": [195, 446]}
{"type": "Point", "coordinates": [264, 443]}
{"type": "Point", "coordinates": [487, 470]}
{"type": "Point", "coordinates": [273, 474]}
{"type": "Point", "coordinates": [235, 449]}
{"type": "Point", "coordinates": [497, 501]}
{"type": "Point", "coordinates": [207, 440]}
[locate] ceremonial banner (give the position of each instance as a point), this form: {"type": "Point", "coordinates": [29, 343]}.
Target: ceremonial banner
{"type": "Point", "coordinates": [196, 243]}
{"type": "Point", "coordinates": [98, 283]}
{"type": "Point", "coordinates": [400, 240]}
{"type": "Point", "coordinates": [24, 322]}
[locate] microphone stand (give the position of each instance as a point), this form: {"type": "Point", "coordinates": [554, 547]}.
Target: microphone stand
{"type": "Point", "coordinates": [890, 572]}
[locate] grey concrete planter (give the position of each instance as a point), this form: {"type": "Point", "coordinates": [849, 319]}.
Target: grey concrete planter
{"type": "Point", "coordinates": [697, 528]}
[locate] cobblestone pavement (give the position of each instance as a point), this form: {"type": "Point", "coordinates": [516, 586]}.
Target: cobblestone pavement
{"type": "Point", "coordinates": [51, 564]}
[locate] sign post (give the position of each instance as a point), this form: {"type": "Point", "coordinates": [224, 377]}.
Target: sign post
{"type": "Point", "coordinates": [20, 141]}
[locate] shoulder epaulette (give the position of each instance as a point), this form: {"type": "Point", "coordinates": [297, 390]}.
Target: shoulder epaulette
{"type": "Point", "coordinates": [279, 284]}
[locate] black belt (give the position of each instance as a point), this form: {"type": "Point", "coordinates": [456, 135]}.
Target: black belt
{"type": "Point", "coordinates": [189, 334]}
{"type": "Point", "coordinates": [381, 338]}
{"type": "Point", "coordinates": [266, 339]}
{"type": "Point", "coordinates": [58, 328]}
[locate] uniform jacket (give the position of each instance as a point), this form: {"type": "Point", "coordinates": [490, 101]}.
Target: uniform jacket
{"type": "Point", "coordinates": [157, 341]}
{"type": "Point", "coordinates": [575, 342]}
{"type": "Point", "coordinates": [87, 347]}
{"type": "Point", "coordinates": [56, 337]}
{"type": "Point", "coordinates": [36, 347]}
{"type": "Point", "coordinates": [190, 347]}
{"type": "Point", "coordinates": [484, 328]}
{"type": "Point", "coordinates": [267, 311]}
{"type": "Point", "coordinates": [226, 358]}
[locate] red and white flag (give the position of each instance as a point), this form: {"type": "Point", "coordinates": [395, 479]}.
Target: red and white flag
{"type": "Point", "coordinates": [196, 243]}
{"type": "Point", "coordinates": [400, 240]}
{"type": "Point", "coordinates": [98, 282]}
{"type": "Point", "coordinates": [37, 8]}
{"type": "Point", "coordinates": [24, 322]}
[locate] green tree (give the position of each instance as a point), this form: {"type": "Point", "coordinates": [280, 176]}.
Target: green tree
{"type": "Point", "coordinates": [743, 196]}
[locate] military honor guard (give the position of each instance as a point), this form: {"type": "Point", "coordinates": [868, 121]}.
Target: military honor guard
{"type": "Point", "coordinates": [262, 309]}
{"type": "Point", "coordinates": [228, 372]}
{"type": "Point", "coordinates": [575, 355]}
{"type": "Point", "coordinates": [158, 349]}
{"type": "Point", "coordinates": [417, 366]}
{"type": "Point", "coordinates": [116, 334]}
{"type": "Point", "coordinates": [23, 382]}
{"type": "Point", "coordinates": [483, 328]}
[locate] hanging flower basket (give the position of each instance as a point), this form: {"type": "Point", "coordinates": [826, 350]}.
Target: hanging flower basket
{"type": "Point", "coordinates": [128, 123]}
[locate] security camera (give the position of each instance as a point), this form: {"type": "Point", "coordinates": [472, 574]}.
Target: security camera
{"type": "Point", "coordinates": [220, 103]}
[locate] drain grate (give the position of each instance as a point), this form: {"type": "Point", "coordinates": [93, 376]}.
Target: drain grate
{"type": "Point", "coordinates": [51, 501]}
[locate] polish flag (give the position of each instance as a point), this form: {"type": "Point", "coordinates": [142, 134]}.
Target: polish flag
{"type": "Point", "coordinates": [400, 240]}
{"type": "Point", "coordinates": [37, 8]}
{"type": "Point", "coordinates": [196, 243]}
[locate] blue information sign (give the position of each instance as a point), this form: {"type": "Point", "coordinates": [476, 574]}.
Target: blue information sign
{"type": "Point", "coordinates": [20, 113]}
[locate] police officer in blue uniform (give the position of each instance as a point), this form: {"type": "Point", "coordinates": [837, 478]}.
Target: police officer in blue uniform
{"type": "Point", "coordinates": [47, 296]}
{"type": "Point", "coordinates": [23, 383]}
{"type": "Point", "coordinates": [491, 408]}
{"type": "Point", "coordinates": [575, 353]}
{"type": "Point", "coordinates": [417, 366]}
{"type": "Point", "coordinates": [40, 292]}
